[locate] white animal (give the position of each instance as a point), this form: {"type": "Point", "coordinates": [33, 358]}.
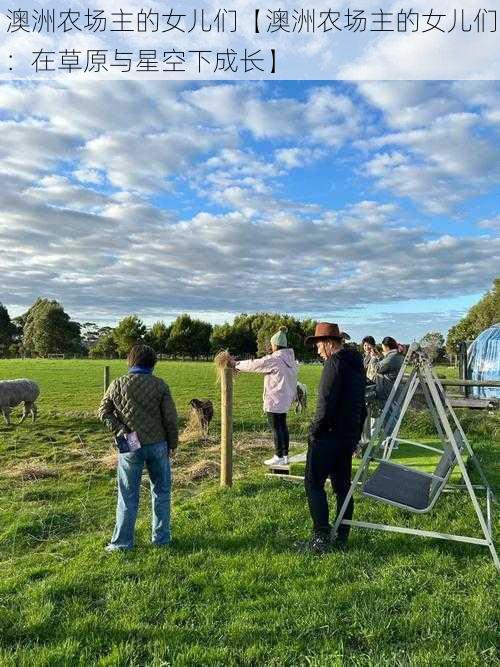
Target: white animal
{"type": "Point", "coordinates": [300, 399]}
{"type": "Point", "coordinates": [15, 392]}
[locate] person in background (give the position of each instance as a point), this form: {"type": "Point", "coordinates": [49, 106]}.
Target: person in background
{"type": "Point", "coordinates": [140, 403]}
{"type": "Point", "coordinates": [384, 370]}
{"type": "Point", "coordinates": [334, 434]}
{"type": "Point", "coordinates": [368, 344]}
{"type": "Point", "coordinates": [280, 388]}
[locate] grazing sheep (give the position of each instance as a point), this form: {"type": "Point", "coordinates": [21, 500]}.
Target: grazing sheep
{"type": "Point", "coordinates": [14, 392]}
{"type": "Point", "coordinates": [300, 399]}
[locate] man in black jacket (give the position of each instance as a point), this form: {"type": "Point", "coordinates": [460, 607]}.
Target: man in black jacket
{"type": "Point", "coordinates": [334, 432]}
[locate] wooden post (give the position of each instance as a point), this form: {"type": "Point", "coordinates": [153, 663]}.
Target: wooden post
{"type": "Point", "coordinates": [106, 378]}
{"type": "Point", "coordinates": [226, 428]}
{"type": "Point", "coordinates": [462, 366]}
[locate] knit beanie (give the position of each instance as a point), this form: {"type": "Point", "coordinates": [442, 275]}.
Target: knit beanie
{"type": "Point", "coordinates": [279, 338]}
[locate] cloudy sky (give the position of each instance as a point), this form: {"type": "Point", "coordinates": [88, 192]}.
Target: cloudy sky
{"type": "Point", "coordinates": [375, 205]}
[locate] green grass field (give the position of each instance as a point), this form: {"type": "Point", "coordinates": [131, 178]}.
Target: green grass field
{"type": "Point", "coordinates": [232, 590]}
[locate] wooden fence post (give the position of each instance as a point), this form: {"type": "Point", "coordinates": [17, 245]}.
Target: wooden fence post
{"type": "Point", "coordinates": [106, 378]}
{"type": "Point", "coordinates": [462, 366]}
{"type": "Point", "coordinates": [226, 428]}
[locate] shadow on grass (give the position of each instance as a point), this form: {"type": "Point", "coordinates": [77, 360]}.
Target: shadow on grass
{"type": "Point", "coordinates": [35, 531]}
{"type": "Point", "coordinates": [371, 546]}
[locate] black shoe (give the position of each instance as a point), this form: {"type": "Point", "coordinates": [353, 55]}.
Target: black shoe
{"type": "Point", "coordinates": [339, 544]}
{"type": "Point", "coordinates": [318, 544]}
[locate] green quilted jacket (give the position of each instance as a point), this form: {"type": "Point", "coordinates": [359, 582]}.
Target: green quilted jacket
{"type": "Point", "coordinates": [141, 403]}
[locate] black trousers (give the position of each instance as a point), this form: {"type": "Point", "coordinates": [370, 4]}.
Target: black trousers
{"type": "Point", "coordinates": [277, 422]}
{"type": "Point", "coordinates": [328, 457]}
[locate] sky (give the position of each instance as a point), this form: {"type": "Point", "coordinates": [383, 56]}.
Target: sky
{"type": "Point", "coordinates": [375, 204]}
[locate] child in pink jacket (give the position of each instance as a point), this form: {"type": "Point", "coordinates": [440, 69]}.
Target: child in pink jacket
{"type": "Point", "coordinates": [280, 389]}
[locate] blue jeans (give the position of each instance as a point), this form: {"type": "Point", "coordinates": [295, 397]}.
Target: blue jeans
{"type": "Point", "coordinates": [130, 467]}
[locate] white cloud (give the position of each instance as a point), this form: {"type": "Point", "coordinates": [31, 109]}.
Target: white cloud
{"type": "Point", "coordinates": [59, 191]}
{"type": "Point", "coordinates": [436, 151]}
{"type": "Point", "coordinates": [107, 190]}
{"type": "Point", "coordinates": [88, 176]}
{"type": "Point", "coordinates": [277, 258]}
{"type": "Point", "coordinates": [492, 224]}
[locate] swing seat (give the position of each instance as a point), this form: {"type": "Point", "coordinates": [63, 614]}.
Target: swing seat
{"type": "Point", "coordinates": [400, 486]}
{"type": "Point", "coordinates": [410, 489]}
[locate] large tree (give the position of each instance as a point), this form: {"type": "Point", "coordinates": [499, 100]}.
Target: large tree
{"type": "Point", "coordinates": [7, 330]}
{"type": "Point", "coordinates": [250, 335]}
{"type": "Point", "coordinates": [105, 347]}
{"type": "Point", "coordinates": [158, 337]}
{"type": "Point", "coordinates": [295, 334]}
{"type": "Point", "coordinates": [482, 315]}
{"type": "Point", "coordinates": [90, 334]}
{"type": "Point", "coordinates": [130, 331]}
{"type": "Point", "coordinates": [190, 337]}
{"type": "Point", "coordinates": [48, 329]}
{"type": "Point", "coordinates": [433, 342]}
{"type": "Point", "coordinates": [238, 338]}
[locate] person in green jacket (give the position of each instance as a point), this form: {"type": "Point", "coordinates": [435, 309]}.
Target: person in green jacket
{"type": "Point", "coordinates": [139, 409]}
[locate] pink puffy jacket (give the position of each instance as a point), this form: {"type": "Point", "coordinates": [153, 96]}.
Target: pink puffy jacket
{"type": "Point", "coordinates": [280, 382]}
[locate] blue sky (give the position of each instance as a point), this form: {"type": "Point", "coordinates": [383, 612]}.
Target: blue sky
{"type": "Point", "coordinates": [372, 204]}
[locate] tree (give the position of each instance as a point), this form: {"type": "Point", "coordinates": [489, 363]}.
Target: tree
{"type": "Point", "coordinates": [190, 337]}
{"type": "Point", "coordinates": [433, 342]}
{"type": "Point", "coordinates": [7, 330]}
{"type": "Point", "coordinates": [250, 335]}
{"type": "Point", "coordinates": [158, 337]}
{"type": "Point", "coordinates": [295, 334]}
{"type": "Point", "coordinates": [48, 329]}
{"type": "Point", "coordinates": [238, 338]}
{"type": "Point", "coordinates": [482, 315]}
{"type": "Point", "coordinates": [90, 334]}
{"type": "Point", "coordinates": [130, 331]}
{"type": "Point", "coordinates": [105, 347]}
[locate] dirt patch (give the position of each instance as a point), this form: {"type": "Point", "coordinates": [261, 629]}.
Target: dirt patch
{"type": "Point", "coordinates": [198, 471]}
{"type": "Point", "coordinates": [108, 461]}
{"type": "Point", "coordinates": [260, 441]}
{"type": "Point", "coordinates": [31, 470]}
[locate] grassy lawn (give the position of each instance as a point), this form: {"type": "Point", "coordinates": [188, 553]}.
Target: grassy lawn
{"type": "Point", "coordinates": [232, 590]}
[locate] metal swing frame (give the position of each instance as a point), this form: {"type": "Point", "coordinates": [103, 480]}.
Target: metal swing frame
{"type": "Point", "coordinates": [454, 442]}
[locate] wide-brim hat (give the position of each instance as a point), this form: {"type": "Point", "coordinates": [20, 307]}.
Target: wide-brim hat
{"type": "Point", "coordinates": [327, 330]}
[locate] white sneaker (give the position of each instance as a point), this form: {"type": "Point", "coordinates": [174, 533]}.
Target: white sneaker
{"type": "Point", "coordinates": [277, 461]}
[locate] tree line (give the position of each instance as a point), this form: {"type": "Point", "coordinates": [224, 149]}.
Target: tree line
{"type": "Point", "coordinates": [45, 328]}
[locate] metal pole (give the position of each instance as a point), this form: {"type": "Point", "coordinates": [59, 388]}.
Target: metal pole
{"type": "Point", "coordinates": [106, 378]}
{"type": "Point", "coordinates": [458, 455]}
{"type": "Point", "coordinates": [226, 431]}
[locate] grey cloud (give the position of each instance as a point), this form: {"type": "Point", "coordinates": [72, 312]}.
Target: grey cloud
{"type": "Point", "coordinates": [438, 156]}
{"type": "Point", "coordinates": [209, 262]}
{"type": "Point", "coordinates": [114, 251]}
